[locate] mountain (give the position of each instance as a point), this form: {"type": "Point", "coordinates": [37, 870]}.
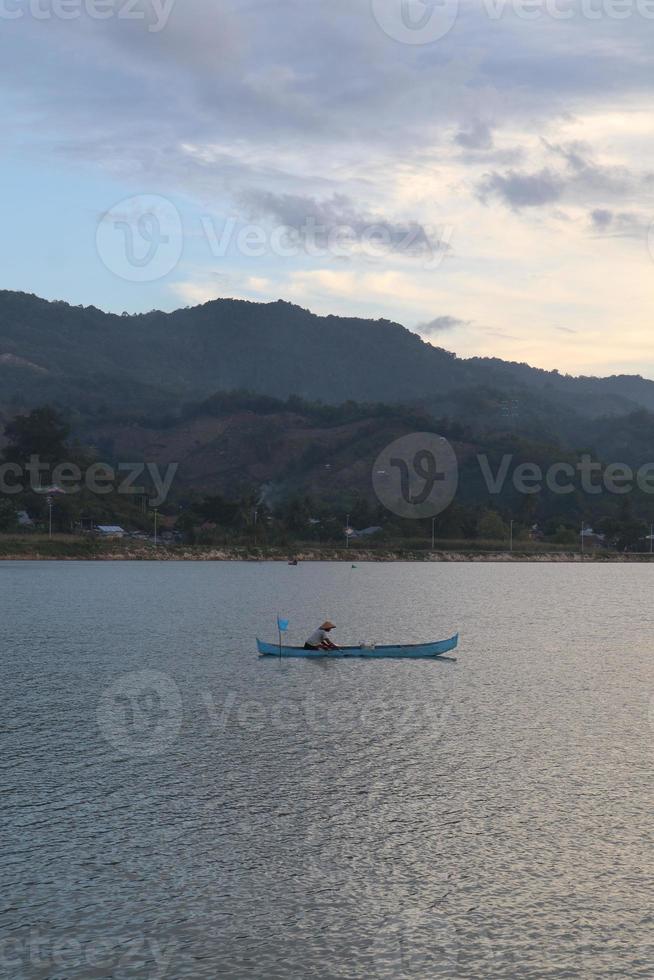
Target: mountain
{"type": "Point", "coordinates": [256, 448]}
{"type": "Point", "coordinates": [269, 397]}
{"type": "Point", "coordinates": [95, 363]}
{"type": "Point", "coordinates": [233, 445]}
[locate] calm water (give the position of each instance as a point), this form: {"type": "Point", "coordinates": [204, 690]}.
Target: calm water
{"type": "Point", "coordinates": [174, 807]}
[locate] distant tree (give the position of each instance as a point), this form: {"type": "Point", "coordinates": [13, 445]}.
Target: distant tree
{"type": "Point", "coordinates": [297, 512]}
{"type": "Point", "coordinates": [631, 535]}
{"type": "Point", "coordinates": [449, 524]}
{"type": "Point", "coordinates": [491, 527]}
{"type": "Point", "coordinates": [626, 509]}
{"type": "Point", "coordinates": [43, 432]}
{"type": "Point", "coordinates": [362, 514]}
{"type": "Point", "coordinates": [219, 510]}
{"type": "Point", "coordinates": [8, 515]}
{"type": "Point", "coordinates": [251, 512]}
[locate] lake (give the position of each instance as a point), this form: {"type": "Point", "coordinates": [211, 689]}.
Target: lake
{"type": "Point", "coordinates": [175, 807]}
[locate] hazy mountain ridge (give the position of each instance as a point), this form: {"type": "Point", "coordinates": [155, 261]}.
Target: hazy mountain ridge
{"type": "Point", "coordinates": [95, 362]}
{"type": "Point", "coordinates": [173, 388]}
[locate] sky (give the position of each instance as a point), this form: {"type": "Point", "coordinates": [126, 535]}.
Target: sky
{"type": "Point", "coordinates": [481, 172]}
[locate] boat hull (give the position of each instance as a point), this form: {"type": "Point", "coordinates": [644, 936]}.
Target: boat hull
{"type": "Point", "coordinates": [416, 651]}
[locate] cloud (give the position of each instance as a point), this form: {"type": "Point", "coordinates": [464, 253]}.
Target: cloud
{"type": "Point", "coordinates": [196, 293]}
{"type": "Point", "coordinates": [338, 219]}
{"type": "Point", "coordinates": [293, 77]}
{"type": "Point", "coordinates": [440, 324]}
{"type": "Point", "coordinates": [478, 136]}
{"type": "Point", "coordinates": [376, 290]}
{"type": "Point", "coordinates": [601, 218]}
{"type": "Point", "coordinates": [621, 224]}
{"type": "Point", "coordinates": [301, 112]}
{"type": "Point", "coordinates": [578, 179]}
{"type": "Point", "coordinates": [521, 190]}
{"type": "Point", "coordinates": [585, 176]}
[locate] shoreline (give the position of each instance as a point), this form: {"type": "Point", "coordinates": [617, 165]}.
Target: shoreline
{"type": "Point", "coordinates": [65, 551]}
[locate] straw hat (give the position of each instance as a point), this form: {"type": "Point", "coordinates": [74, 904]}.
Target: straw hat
{"type": "Point", "coordinates": [327, 626]}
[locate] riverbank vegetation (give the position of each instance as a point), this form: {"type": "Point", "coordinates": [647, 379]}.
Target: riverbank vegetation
{"type": "Point", "coordinates": [322, 496]}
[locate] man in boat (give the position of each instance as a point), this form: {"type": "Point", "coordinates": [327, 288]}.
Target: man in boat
{"type": "Point", "coordinates": [319, 639]}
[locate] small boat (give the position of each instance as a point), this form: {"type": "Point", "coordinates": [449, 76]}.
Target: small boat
{"type": "Point", "coordinates": [406, 651]}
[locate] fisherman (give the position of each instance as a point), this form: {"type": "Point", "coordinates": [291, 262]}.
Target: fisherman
{"type": "Point", "coordinates": [319, 639]}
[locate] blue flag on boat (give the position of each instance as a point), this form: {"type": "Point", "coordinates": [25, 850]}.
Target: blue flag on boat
{"type": "Point", "coordinates": [282, 625]}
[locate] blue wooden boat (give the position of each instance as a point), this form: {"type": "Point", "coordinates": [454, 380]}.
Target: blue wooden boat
{"type": "Point", "coordinates": [415, 651]}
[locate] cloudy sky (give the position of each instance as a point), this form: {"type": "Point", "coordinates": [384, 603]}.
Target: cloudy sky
{"type": "Point", "coordinates": [479, 171]}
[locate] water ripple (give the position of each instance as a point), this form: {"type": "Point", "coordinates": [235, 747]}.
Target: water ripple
{"type": "Point", "coordinates": [233, 817]}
